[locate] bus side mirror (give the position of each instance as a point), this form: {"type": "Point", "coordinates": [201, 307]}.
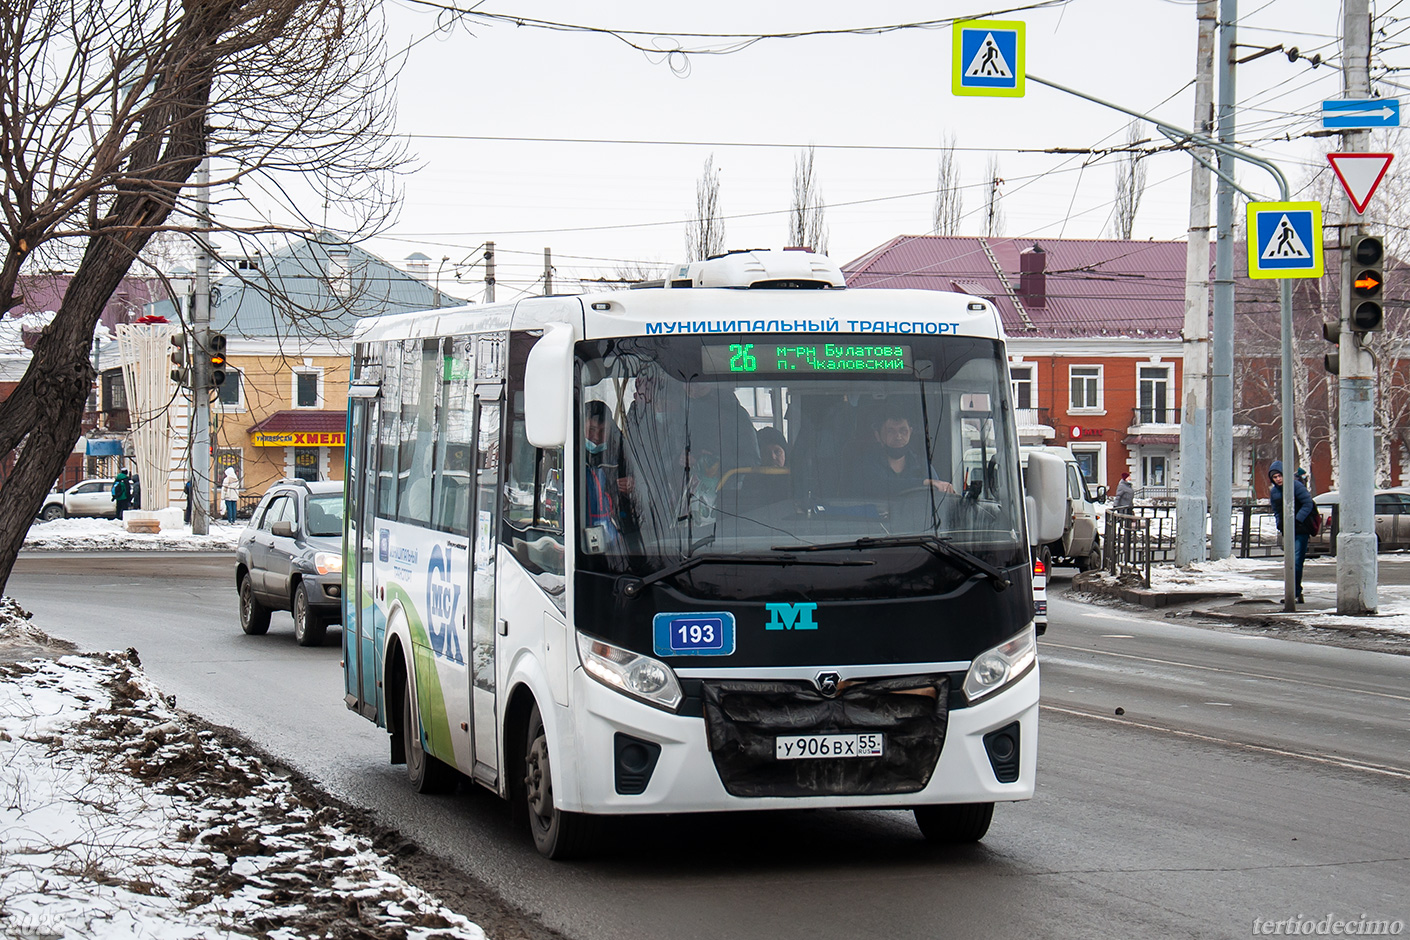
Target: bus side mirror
{"type": "Point", "coordinates": [1046, 501]}
{"type": "Point", "coordinates": [548, 377]}
{"type": "Point", "coordinates": [1101, 495]}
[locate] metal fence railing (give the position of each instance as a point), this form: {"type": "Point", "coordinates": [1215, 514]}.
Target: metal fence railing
{"type": "Point", "coordinates": [1147, 533]}
{"type": "Point", "coordinates": [1128, 545]}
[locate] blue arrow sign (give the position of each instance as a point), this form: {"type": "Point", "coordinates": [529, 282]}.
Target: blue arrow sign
{"type": "Point", "coordinates": [1353, 113]}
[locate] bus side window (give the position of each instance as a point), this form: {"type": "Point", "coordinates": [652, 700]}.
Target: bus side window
{"type": "Point", "coordinates": [532, 509]}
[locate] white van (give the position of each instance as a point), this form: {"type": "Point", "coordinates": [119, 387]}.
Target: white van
{"type": "Point", "coordinates": [1081, 543]}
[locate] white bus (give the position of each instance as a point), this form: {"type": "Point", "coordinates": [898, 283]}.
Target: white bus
{"type": "Point", "coordinates": [743, 539]}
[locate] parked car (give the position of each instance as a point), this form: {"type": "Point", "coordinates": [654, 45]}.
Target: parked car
{"type": "Point", "coordinates": [290, 558]}
{"type": "Point", "coordinates": [1392, 520]}
{"type": "Point", "coordinates": [85, 498]}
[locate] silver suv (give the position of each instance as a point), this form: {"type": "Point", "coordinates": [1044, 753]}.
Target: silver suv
{"type": "Point", "coordinates": [290, 558]}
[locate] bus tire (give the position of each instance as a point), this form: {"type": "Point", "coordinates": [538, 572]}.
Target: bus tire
{"type": "Point", "coordinates": [254, 616]}
{"type": "Point", "coordinates": [309, 628]}
{"type": "Point", "coordinates": [426, 773]}
{"type": "Point", "coordinates": [557, 834]}
{"type": "Point", "coordinates": [954, 823]}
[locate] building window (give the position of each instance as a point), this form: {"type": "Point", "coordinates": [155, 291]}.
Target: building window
{"type": "Point", "coordinates": [229, 390]}
{"type": "Point", "coordinates": [1089, 462]}
{"type": "Point", "coordinates": [1154, 390]}
{"type": "Point", "coordinates": [1153, 471]}
{"type": "Point", "coordinates": [306, 389]}
{"type": "Point", "coordinates": [306, 463]}
{"type": "Point", "coordinates": [1086, 388]}
{"type": "Point", "coordinates": [1024, 395]}
{"type": "Point", "coordinates": [114, 392]}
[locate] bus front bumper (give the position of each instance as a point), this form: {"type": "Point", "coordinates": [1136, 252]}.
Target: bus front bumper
{"type": "Point", "coordinates": [683, 776]}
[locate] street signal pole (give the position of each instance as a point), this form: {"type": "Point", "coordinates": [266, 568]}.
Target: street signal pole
{"type": "Point", "coordinates": [200, 368]}
{"type": "Point", "coordinates": [1361, 312]}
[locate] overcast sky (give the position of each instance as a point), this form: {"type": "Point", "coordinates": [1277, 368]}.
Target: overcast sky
{"type": "Point", "coordinates": [876, 107]}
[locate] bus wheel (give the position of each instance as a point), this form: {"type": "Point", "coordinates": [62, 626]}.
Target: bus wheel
{"type": "Point", "coordinates": [254, 616]}
{"type": "Point", "coordinates": [954, 823]}
{"type": "Point", "coordinates": [557, 834]}
{"type": "Point", "coordinates": [426, 773]}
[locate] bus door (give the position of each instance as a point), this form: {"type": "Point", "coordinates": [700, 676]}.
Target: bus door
{"type": "Point", "coordinates": [485, 535]}
{"type": "Point", "coordinates": [359, 607]}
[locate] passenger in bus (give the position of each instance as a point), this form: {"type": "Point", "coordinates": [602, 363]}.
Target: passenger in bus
{"type": "Point", "coordinates": [610, 483]}
{"type": "Point", "coordinates": [773, 448]}
{"type": "Point", "coordinates": [893, 467]}
{"type": "Point", "coordinates": [717, 423]}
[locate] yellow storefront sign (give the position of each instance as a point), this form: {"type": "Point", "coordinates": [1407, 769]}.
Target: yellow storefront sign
{"type": "Point", "coordinates": [297, 438]}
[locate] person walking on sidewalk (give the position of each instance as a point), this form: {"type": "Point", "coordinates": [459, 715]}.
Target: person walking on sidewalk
{"type": "Point", "coordinates": [1303, 512]}
{"type": "Point", "coordinates": [122, 492]}
{"type": "Point", "coordinates": [230, 492]}
{"type": "Point", "coordinates": [1125, 497]}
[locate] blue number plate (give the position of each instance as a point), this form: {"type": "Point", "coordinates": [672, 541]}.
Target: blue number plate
{"type": "Point", "coordinates": [703, 634]}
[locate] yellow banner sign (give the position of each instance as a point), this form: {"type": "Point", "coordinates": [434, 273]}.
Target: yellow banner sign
{"type": "Point", "coordinates": [296, 439]}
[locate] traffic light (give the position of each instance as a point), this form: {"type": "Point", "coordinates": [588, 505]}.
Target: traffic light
{"type": "Point", "coordinates": [1367, 282]}
{"type": "Point", "coordinates": [1331, 332]}
{"type": "Point", "coordinates": [180, 374]}
{"type": "Point", "coordinates": [216, 348]}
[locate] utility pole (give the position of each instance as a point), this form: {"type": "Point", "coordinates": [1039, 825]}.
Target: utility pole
{"type": "Point", "coordinates": [547, 271]}
{"type": "Point", "coordinates": [1190, 505]}
{"type": "Point", "coordinates": [1221, 437]}
{"type": "Point", "coordinates": [1356, 384]}
{"type": "Point", "coordinates": [200, 361]}
{"type": "Point", "coordinates": [489, 272]}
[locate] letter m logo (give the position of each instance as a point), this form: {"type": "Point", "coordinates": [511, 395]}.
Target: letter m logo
{"type": "Point", "coordinates": [790, 617]}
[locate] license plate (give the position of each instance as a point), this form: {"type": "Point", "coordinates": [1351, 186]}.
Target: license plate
{"type": "Point", "coordinates": [801, 746]}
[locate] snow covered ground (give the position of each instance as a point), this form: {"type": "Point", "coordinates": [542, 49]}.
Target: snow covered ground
{"type": "Point", "coordinates": [110, 535]}
{"type": "Point", "coordinates": [1262, 579]}
{"type": "Point", "coordinates": [121, 817]}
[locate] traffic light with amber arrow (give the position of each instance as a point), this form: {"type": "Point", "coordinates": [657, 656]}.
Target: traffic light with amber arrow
{"type": "Point", "coordinates": [1367, 284]}
{"type": "Point", "coordinates": [216, 347]}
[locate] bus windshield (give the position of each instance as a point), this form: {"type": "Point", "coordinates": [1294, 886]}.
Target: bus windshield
{"type": "Point", "coordinates": [747, 445]}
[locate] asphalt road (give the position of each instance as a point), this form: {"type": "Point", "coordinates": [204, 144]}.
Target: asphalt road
{"type": "Point", "coordinates": [1248, 777]}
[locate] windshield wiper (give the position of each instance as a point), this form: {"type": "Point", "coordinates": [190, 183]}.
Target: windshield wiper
{"type": "Point", "coordinates": [631, 586]}
{"type": "Point", "coordinates": [935, 544]}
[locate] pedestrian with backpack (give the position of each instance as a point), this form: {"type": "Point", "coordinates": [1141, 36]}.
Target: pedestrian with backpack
{"type": "Point", "coordinates": [122, 492]}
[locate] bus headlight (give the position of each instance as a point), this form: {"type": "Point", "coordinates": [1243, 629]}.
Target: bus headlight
{"type": "Point", "coordinates": [1006, 663]}
{"type": "Point", "coordinates": [327, 562]}
{"type": "Point", "coordinates": [639, 676]}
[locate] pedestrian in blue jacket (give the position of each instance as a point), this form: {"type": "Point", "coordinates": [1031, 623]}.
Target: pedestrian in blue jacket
{"type": "Point", "coordinates": [1304, 511]}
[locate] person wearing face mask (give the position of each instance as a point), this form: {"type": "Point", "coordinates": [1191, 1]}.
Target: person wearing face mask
{"type": "Point", "coordinates": [609, 481]}
{"type": "Point", "coordinates": [894, 467]}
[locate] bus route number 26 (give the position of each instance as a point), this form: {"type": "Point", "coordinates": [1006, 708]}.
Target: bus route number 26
{"type": "Point", "coordinates": [741, 359]}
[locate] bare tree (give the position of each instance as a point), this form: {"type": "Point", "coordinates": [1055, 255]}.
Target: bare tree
{"type": "Point", "coordinates": [949, 198]}
{"type": "Point", "coordinates": [994, 212]}
{"type": "Point", "coordinates": [1130, 184]}
{"type": "Point", "coordinates": [705, 233]}
{"type": "Point", "coordinates": [806, 226]}
{"type": "Point", "coordinates": [107, 109]}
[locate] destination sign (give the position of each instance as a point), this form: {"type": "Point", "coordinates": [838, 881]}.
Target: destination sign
{"type": "Point", "coordinates": [831, 358]}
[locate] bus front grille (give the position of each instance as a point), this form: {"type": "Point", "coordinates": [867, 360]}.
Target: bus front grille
{"type": "Point", "coordinates": [743, 719]}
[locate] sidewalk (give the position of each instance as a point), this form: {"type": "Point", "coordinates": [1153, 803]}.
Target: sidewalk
{"type": "Point", "coordinates": [1249, 592]}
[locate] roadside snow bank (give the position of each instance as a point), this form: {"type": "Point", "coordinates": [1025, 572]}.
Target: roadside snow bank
{"type": "Point", "coordinates": [120, 817]}
{"type": "Point", "coordinates": [112, 535]}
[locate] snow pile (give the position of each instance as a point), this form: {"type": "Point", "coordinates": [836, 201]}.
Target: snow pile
{"type": "Point", "coordinates": [111, 535]}
{"type": "Point", "coordinates": [1262, 579]}
{"type": "Point", "coordinates": [119, 818]}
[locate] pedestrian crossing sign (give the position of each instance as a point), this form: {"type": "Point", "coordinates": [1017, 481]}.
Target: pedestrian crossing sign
{"type": "Point", "coordinates": [988, 58]}
{"type": "Point", "coordinates": [1284, 239]}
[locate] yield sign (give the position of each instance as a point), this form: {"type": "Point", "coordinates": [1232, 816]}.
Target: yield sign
{"type": "Point", "coordinates": [1360, 174]}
